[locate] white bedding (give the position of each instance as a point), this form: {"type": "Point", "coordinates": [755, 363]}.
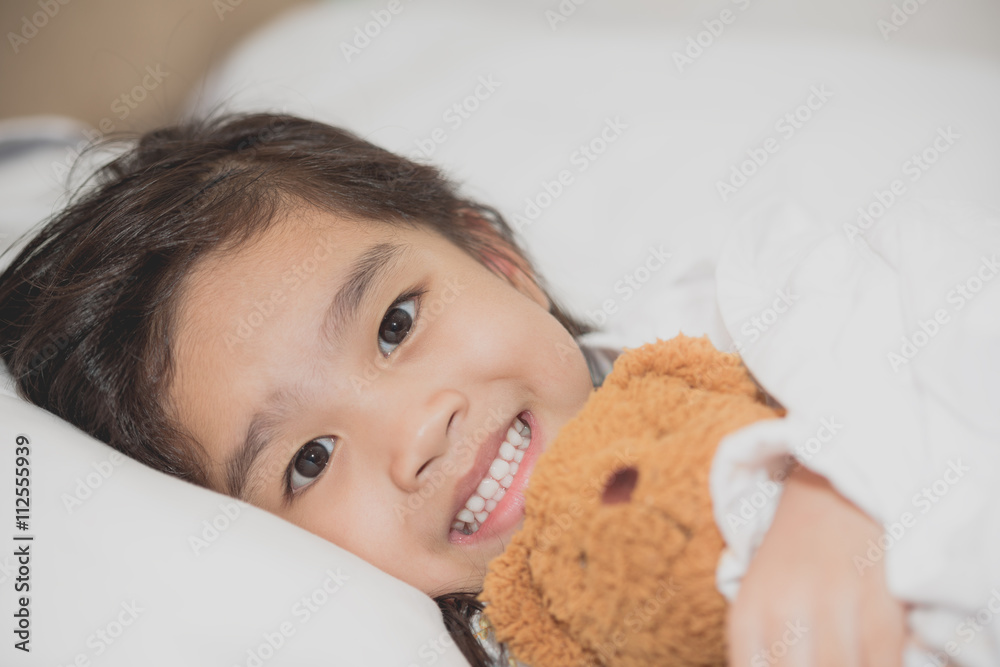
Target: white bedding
{"type": "Point", "coordinates": [887, 360]}
{"type": "Point", "coordinates": [655, 185]}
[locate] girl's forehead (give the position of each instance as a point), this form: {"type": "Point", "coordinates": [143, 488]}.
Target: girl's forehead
{"type": "Point", "coordinates": [292, 238]}
{"type": "Point", "coordinates": [314, 231]}
{"type": "Point", "coordinates": [297, 264]}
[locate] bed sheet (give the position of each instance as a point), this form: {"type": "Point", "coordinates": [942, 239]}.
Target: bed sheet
{"type": "Point", "coordinates": [884, 346]}
{"type": "Point", "coordinates": [599, 149]}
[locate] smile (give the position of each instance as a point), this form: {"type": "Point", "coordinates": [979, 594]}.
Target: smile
{"type": "Point", "coordinates": [497, 482]}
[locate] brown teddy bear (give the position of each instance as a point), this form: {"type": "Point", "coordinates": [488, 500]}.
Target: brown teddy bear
{"type": "Point", "coordinates": [615, 563]}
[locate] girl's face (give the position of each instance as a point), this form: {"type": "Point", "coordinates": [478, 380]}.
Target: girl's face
{"type": "Point", "coordinates": [362, 381]}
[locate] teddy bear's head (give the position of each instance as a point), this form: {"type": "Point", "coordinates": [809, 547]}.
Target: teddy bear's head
{"type": "Point", "coordinates": [615, 563]}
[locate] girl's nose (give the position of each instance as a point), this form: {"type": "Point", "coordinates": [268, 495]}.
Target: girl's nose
{"type": "Point", "coordinates": [426, 434]}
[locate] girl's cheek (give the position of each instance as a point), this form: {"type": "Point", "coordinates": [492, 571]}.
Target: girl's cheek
{"type": "Point", "coordinates": [441, 304]}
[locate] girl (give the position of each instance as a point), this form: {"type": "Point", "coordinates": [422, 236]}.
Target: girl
{"type": "Point", "coordinates": [280, 311]}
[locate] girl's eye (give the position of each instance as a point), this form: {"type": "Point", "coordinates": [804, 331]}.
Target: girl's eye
{"type": "Point", "coordinates": [396, 325]}
{"type": "Point", "coordinates": [309, 462]}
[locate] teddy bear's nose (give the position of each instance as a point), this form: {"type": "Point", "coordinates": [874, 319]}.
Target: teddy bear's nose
{"type": "Point", "coordinates": [619, 488]}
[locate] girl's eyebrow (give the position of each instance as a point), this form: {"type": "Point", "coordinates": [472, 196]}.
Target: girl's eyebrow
{"type": "Point", "coordinates": [261, 433]}
{"type": "Point", "coordinates": [368, 270]}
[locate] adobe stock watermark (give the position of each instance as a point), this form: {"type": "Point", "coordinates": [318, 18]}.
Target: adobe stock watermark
{"type": "Point", "coordinates": [584, 156]}
{"type": "Point", "coordinates": [262, 311]}
{"type": "Point", "coordinates": [699, 43]}
{"type": "Point", "coordinates": [898, 17]}
{"type": "Point", "coordinates": [432, 650]}
{"type": "Point", "coordinates": [966, 631]}
{"type": "Point", "coordinates": [924, 501]}
{"type": "Point", "coordinates": [455, 116]}
{"type": "Point", "coordinates": [562, 12]}
{"type": "Point", "coordinates": [565, 352]}
{"type": "Point", "coordinates": [292, 279]}
{"type": "Point", "coordinates": [927, 329]}
{"type": "Point", "coordinates": [913, 168]}
{"type": "Point", "coordinates": [87, 485]}
{"type": "Point", "coordinates": [211, 529]}
{"type": "Point", "coordinates": [751, 505]}
{"type": "Point", "coordinates": [467, 450]}
{"type": "Point", "coordinates": [223, 7]}
{"type": "Point", "coordinates": [630, 284]}
{"type": "Point", "coordinates": [102, 639]}
{"type": "Point", "coordinates": [37, 21]}
{"type": "Point", "coordinates": [8, 568]}
{"type": "Point", "coordinates": [786, 127]}
{"type": "Point", "coordinates": [48, 350]}
{"type": "Point", "coordinates": [587, 494]}
{"type": "Point", "coordinates": [756, 325]}
{"type": "Point", "coordinates": [130, 100]}
{"type": "Point", "coordinates": [302, 610]}
{"type": "Point", "coordinates": [638, 618]}
{"type": "Point", "coordinates": [122, 106]}
{"type": "Point", "coordinates": [779, 647]}
{"type": "Point", "coordinates": [429, 311]}
{"type": "Point", "coordinates": [364, 34]}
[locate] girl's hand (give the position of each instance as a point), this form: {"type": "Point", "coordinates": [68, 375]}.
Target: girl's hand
{"type": "Point", "coordinates": [803, 601]}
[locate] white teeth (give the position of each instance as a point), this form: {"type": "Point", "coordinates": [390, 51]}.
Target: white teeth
{"type": "Point", "coordinates": [499, 469]}
{"type": "Point", "coordinates": [488, 487]}
{"type": "Point", "coordinates": [475, 504]}
{"type": "Point", "coordinates": [500, 477]}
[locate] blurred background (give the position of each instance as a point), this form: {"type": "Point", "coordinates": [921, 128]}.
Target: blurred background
{"type": "Point", "coordinates": [81, 59]}
{"type": "Point", "coordinates": [78, 57]}
{"type": "Point", "coordinates": [503, 96]}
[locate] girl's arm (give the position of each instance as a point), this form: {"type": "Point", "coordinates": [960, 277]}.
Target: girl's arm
{"type": "Point", "coordinates": [803, 601]}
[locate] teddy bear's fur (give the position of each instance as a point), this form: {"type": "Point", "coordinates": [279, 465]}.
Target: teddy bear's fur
{"type": "Point", "coordinates": [615, 563]}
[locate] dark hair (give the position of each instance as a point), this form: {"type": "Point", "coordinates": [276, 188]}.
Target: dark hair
{"type": "Point", "coordinates": [87, 307]}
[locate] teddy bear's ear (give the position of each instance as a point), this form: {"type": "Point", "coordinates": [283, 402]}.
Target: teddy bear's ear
{"type": "Point", "coordinates": [694, 360]}
{"type": "Point", "coordinates": [517, 613]}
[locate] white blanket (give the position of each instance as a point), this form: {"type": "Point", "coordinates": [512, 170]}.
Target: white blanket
{"type": "Point", "coordinates": [883, 341]}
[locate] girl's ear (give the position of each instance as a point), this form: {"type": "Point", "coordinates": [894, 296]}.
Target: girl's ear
{"type": "Point", "coordinates": [503, 258]}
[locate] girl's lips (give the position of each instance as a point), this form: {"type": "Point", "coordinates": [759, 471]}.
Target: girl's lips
{"type": "Point", "coordinates": [510, 510]}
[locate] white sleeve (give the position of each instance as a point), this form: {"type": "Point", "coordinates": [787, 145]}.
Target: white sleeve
{"type": "Point", "coordinates": [890, 338]}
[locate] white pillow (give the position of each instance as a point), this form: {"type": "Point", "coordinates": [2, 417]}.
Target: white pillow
{"type": "Point", "coordinates": [129, 566]}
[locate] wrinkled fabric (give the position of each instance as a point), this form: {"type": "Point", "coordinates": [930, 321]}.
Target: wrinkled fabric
{"type": "Point", "coordinates": [883, 343]}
